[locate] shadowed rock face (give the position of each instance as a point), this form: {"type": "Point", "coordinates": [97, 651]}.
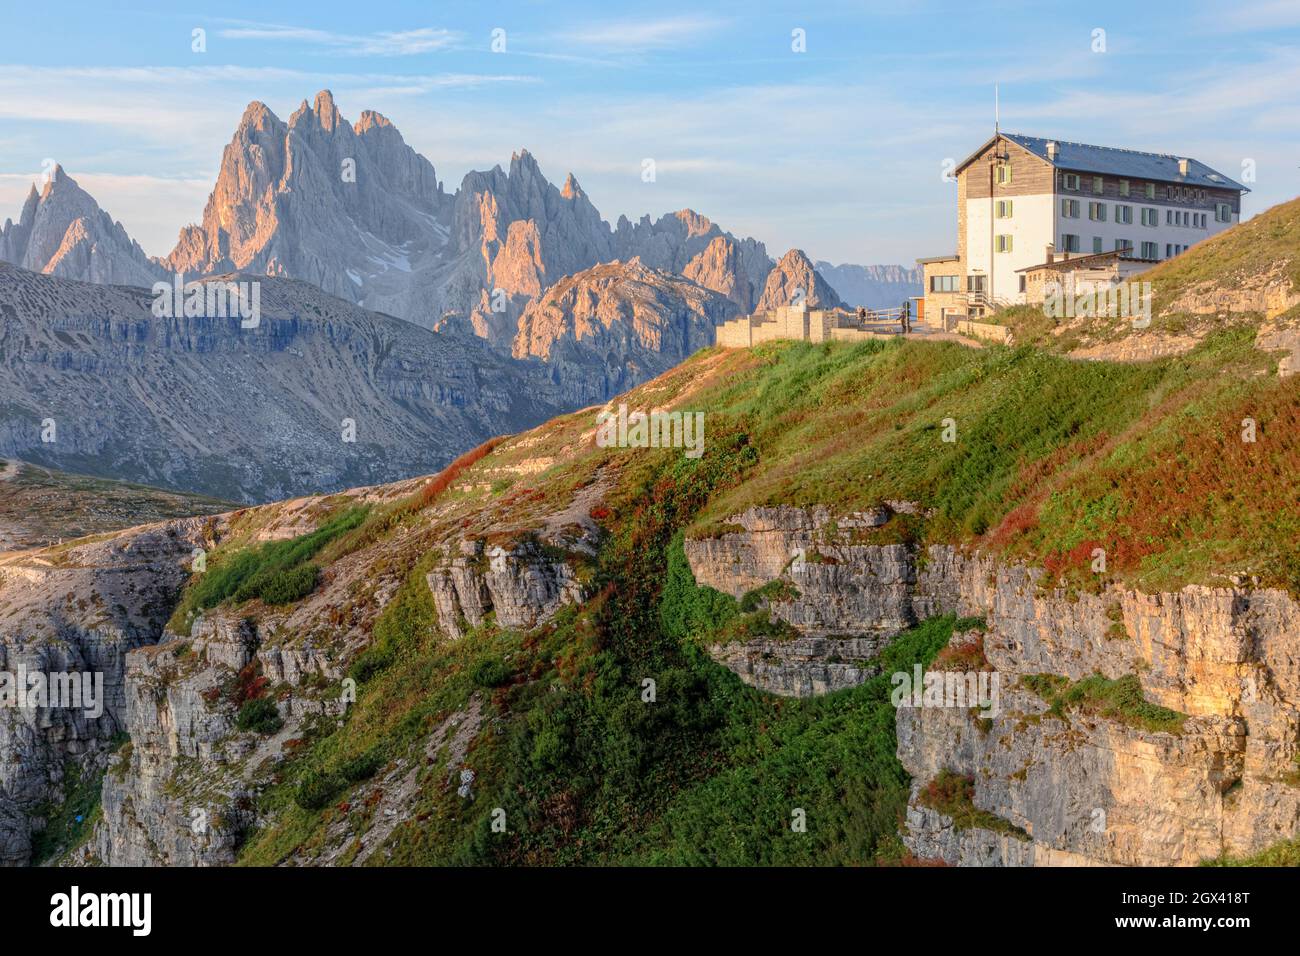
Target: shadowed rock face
{"type": "Point", "coordinates": [250, 414]}
{"type": "Point", "coordinates": [82, 614]}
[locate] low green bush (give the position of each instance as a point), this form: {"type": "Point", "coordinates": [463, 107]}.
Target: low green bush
{"type": "Point", "coordinates": [259, 715]}
{"type": "Point", "coordinates": [286, 587]}
{"type": "Point", "coordinates": [491, 673]}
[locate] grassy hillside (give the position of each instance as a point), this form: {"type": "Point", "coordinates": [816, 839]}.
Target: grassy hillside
{"type": "Point", "coordinates": [1021, 452]}
{"type": "Point", "coordinates": [1051, 458]}
{"type": "Point", "coordinates": [1244, 277]}
{"type": "Point", "coordinates": [40, 506]}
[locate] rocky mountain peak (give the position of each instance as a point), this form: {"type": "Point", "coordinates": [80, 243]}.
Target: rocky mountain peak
{"type": "Point", "coordinates": [571, 189]}
{"type": "Point", "coordinates": [314, 199]}
{"type": "Point", "coordinates": [60, 179]}
{"type": "Point", "coordinates": [258, 116]}
{"type": "Point", "coordinates": [62, 231]}
{"type": "Point", "coordinates": [371, 119]}
{"type": "Point", "coordinates": [793, 276]}
{"type": "Point", "coordinates": [695, 223]}
{"type": "Point", "coordinates": [322, 114]}
{"type": "Point", "coordinates": [616, 323]}
{"type": "Point", "coordinates": [719, 268]}
{"type": "Point", "coordinates": [327, 113]}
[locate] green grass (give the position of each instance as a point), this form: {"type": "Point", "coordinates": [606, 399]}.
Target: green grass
{"type": "Point", "coordinates": [1120, 700]}
{"type": "Point", "coordinates": [953, 795]}
{"type": "Point", "coordinates": [1052, 457]}
{"type": "Point", "coordinates": [259, 715]}
{"type": "Point", "coordinates": [276, 571]}
{"type": "Point", "coordinates": [1285, 853]}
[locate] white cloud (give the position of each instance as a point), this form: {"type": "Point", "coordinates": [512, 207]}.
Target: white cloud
{"type": "Point", "coordinates": [392, 43]}
{"type": "Point", "coordinates": [1259, 16]}
{"type": "Point", "coordinates": [640, 35]}
{"type": "Point", "coordinates": [151, 208]}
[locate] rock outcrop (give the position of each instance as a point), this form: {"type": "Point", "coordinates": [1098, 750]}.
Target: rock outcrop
{"type": "Point", "coordinates": [182, 793]}
{"type": "Point", "coordinates": [523, 584]}
{"type": "Point", "coordinates": [1083, 788]}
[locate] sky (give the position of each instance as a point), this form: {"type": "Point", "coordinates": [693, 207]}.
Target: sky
{"type": "Point", "coordinates": [824, 126]}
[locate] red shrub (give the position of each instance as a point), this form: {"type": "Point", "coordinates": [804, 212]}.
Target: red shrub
{"type": "Point", "coordinates": [443, 480]}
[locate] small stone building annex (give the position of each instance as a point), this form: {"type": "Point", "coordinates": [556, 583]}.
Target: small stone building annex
{"type": "Point", "coordinates": [800, 323]}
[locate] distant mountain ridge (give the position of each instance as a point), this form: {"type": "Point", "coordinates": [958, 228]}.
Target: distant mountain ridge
{"type": "Point", "coordinates": [320, 395]}
{"type": "Point", "coordinates": [357, 212]}
{"type": "Point", "coordinates": [874, 287]}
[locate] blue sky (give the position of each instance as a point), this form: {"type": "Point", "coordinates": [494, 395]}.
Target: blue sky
{"type": "Point", "coordinates": [838, 150]}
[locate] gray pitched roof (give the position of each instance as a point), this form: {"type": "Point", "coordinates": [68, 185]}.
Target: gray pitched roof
{"type": "Point", "coordinates": [1162, 167]}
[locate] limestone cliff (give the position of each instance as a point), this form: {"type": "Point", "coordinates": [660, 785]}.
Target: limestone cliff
{"type": "Point", "coordinates": [1085, 788]}
{"type": "Point", "coordinates": [78, 609]}
{"type": "Point", "coordinates": [184, 791]}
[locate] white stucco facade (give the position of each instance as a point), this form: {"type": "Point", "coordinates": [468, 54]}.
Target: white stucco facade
{"type": "Point", "coordinates": [1039, 220]}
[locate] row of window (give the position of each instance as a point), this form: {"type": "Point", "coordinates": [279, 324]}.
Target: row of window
{"type": "Point", "coordinates": [1149, 250]}
{"type": "Point", "coordinates": [1070, 209]}
{"type": "Point", "coordinates": [1073, 243]}
{"type": "Point", "coordinates": [1097, 212]}
{"type": "Point", "coordinates": [1074, 183]}
{"type": "Point", "coordinates": [953, 283]}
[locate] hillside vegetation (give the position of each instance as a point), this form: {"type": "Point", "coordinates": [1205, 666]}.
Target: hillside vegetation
{"type": "Point", "coordinates": [1052, 458]}
{"type": "Point", "coordinates": [40, 506]}
{"type": "Point", "coordinates": [1245, 277]}
{"type": "Point", "coordinates": [1019, 452]}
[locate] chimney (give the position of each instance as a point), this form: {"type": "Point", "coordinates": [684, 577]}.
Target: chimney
{"type": "Point", "coordinates": [1052, 149]}
{"type": "Point", "coordinates": [1183, 167]}
{"type": "Point", "coordinates": [1051, 253]}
